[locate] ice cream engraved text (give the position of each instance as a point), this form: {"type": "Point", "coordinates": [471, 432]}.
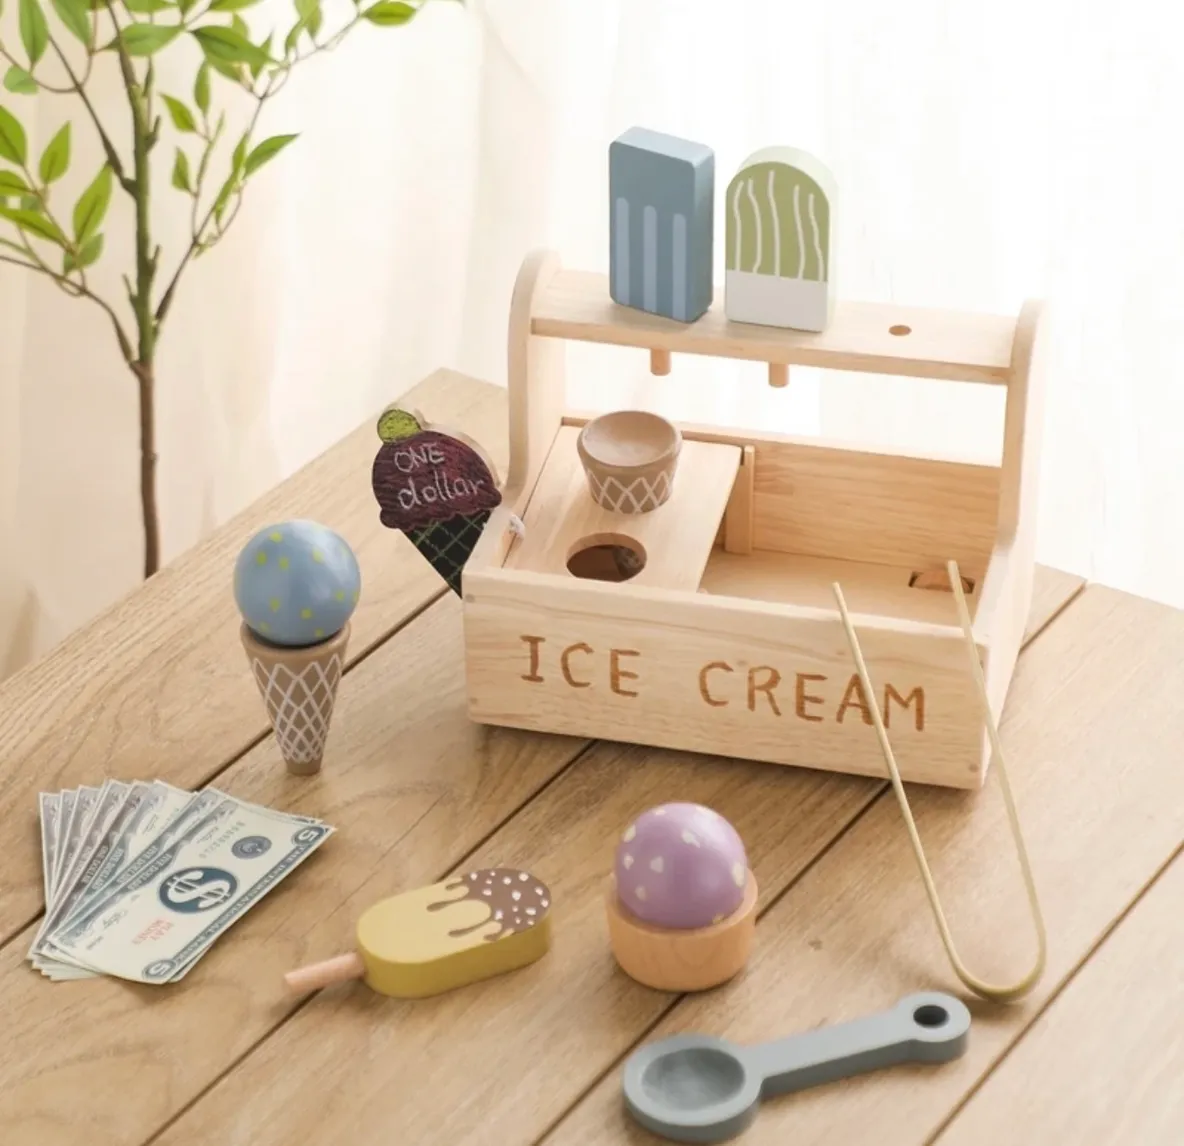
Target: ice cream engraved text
{"type": "Point", "coordinates": [809, 696]}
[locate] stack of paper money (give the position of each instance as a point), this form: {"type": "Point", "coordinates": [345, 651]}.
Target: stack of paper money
{"type": "Point", "coordinates": [141, 878]}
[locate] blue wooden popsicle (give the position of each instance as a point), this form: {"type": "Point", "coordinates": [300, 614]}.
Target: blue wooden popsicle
{"type": "Point", "coordinates": [662, 203]}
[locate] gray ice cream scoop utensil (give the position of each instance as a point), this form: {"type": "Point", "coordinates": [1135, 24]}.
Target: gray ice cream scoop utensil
{"type": "Point", "coordinates": [697, 1088]}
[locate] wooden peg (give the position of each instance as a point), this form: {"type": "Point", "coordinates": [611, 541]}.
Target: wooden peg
{"type": "Point", "coordinates": [660, 362]}
{"type": "Point", "coordinates": [778, 375]}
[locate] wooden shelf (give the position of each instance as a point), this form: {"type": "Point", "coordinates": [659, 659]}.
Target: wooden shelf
{"type": "Point", "coordinates": [677, 537]}
{"type": "Point", "coordinates": [957, 346]}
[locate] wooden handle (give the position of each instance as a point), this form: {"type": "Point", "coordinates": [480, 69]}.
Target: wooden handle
{"type": "Point", "coordinates": [318, 975]}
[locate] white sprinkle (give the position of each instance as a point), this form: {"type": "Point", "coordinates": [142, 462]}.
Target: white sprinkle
{"type": "Point", "coordinates": [515, 895]}
{"type": "Point", "coordinates": [539, 891]}
{"type": "Point", "coordinates": [497, 915]}
{"type": "Point", "coordinates": [630, 832]}
{"type": "Point", "coordinates": [657, 864]}
{"type": "Point", "coordinates": [738, 874]}
{"type": "Point", "coordinates": [530, 911]}
{"type": "Point", "coordinates": [626, 861]}
{"type": "Point", "coordinates": [506, 880]}
{"type": "Point", "coordinates": [486, 891]}
{"type": "Point", "coordinates": [546, 903]}
{"type": "Point", "coordinates": [640, 892]}
{"type": "Point", "coordinates": [472, 875]}
{"type": "Point", "coordinates": [523, 877]}
{"type": "Point", "coordinates": [689, 837]}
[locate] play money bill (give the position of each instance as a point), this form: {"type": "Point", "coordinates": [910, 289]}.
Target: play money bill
{"type": "Point", "coordinates": [110, 798]}
{"type": "Point", "coordinates": [65, 809]}
{"type": "Point", "coordinates": [85, 801]}
{"type": "Point", "coordinates": [49, 807]}
{"type": "Point", "coordinates": [148, 811]}
{"type": "Point", "coordinates": [210, 866]}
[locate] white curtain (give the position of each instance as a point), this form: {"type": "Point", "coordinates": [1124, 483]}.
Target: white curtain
{"type": "Point", "coordinates": [984, 154]}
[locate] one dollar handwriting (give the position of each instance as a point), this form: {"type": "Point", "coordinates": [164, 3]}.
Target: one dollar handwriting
{"type": "Point", "coordinates": [428, 478]}
{"type": "Point", "coordinates": [808, 696]}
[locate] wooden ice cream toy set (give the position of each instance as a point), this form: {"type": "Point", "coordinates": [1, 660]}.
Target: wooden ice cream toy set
{"type": "Point", "coordinates": [743, 594]}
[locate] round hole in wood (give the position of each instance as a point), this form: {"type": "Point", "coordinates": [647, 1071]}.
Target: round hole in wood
{"type": "Point", "coordinates": [606, 557]}
{"type": "Point", "coordinates": [900, 329]}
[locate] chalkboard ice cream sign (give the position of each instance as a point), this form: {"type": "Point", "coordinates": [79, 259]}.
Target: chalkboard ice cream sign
{"type": "Point", "coordinates": [435, 488]}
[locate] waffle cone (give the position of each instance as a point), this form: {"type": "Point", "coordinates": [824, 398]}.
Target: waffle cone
{"type": "Point", "coordinates": [449, 544]}
{"type": "Point", "coordinates": [299, 690]}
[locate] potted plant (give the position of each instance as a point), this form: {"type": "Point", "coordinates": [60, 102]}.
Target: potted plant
{"type": "Point", "coordinates": [61, 43]}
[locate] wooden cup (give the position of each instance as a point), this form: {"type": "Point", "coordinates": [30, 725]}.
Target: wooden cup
{"type": "Point", "coordinates": [629, 458]}
{"type": "Point", "coordinates": [672, 959]}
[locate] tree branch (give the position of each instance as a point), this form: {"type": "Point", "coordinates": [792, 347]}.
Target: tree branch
{"type": "Point", "coordinates": [166, 300]}
{"type": "Point", "coordinates": [6, 54]}
{"type": "Point", "coordinates": [108, 147]}
{"type": "Point", "coordinates": [75, 290]}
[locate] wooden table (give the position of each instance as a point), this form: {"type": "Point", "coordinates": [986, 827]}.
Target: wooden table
{"type": "Point", "coordinates": [158, 686]}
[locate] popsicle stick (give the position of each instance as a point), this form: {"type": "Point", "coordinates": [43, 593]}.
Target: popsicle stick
{"type": "Point", "coordinates": [778, 375]}
{"type": "Point", "coordinates": [999, 993]}
{"type": "Point", "coordinates": [318, 975]}
{"type": "Point", "coordinates": [660, 362]}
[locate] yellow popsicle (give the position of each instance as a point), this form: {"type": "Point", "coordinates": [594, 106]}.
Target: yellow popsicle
{"type": "Point", "coordinates": [434, 939]}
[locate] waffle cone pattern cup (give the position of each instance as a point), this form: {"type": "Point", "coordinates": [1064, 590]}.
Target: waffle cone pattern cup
{"type": "Point", "coordinates": [299, 690]}
{"type": "Point", "coordinates": [630, 458]}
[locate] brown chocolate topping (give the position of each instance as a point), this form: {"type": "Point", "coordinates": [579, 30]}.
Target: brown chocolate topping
{"type": "Point", "coordinates": [517, 900]}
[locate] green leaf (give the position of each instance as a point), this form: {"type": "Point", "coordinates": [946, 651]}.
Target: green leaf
{"type": "Point", "coordinates": [309, 12]}
{"type": "Point", "coordinates": [55, 159]}
{"type": "Point", "coordinates": [13, 145]}
{"type": "Point", "coordinates": [145, 39]}
{"type": "Point", "coordinates": [12, 184]}
{"type": "Point", "coordinates": [31, 203]}
{"type": "Point", "coordinates": [390, 13]}
{"type": "Point", "coordinates": [147, 7]}
{"type": "Point", "coordinates": [226, 46]}
{"type": "Point", "coordinates": [257, 68]}
{"type": "Point", "coordinates": [19, 81]}
{"type": "Point", "coordinates": [91, 208]}
{"type": "Point", "coordinates": [232, 5]}
{"type": "Point", "coordinates": [75, 14]}
{"type": "Point", "coordinates": [201, 89]}
{"type": "Point", "coordinates": [293, 37]}
{"type": "Point", "coordinates": [186, 6]}
{"type": "Point", "coordinates": [91, 251]}
{"type": "Point", "coordinates": [239, 158]}
{"type": "Point", "coordinates": [181, 116]}
{"type": "Point", "coordinates": [266, 151]}
{"type": "Point", "coordinates": [34, 30]}
{"type": "Point", "coordinates": [181, 179]}
{"type": "Point", "coordinates": [34, 223]}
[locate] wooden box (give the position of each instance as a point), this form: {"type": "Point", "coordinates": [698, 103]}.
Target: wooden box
{"type": "Point", "coordinates": [728, 641]}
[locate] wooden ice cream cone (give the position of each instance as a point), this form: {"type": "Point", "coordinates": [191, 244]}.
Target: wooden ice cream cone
{"type": "Point", "coordinates": [629, 458]}
{"type": "Point", "coordinates": [299, 689]}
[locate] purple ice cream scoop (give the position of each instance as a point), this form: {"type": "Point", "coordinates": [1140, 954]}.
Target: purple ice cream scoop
{"type": "Point", "coordinates": [681, 866]}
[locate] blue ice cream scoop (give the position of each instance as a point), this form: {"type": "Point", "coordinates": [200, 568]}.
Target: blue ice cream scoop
{"type": "Point", "coordinates": [296, 583]}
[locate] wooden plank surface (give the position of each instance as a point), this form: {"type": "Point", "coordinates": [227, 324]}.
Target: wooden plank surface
{"type": "Point", "coordinates": [411, 787]}
{"type": "Point", "coordinates": [1092, 730]}
{"type": "Point", "coordinates": [158, 686]}
{"type": "Point", "coordinates": [504, 1060]}
{"type": "Point", "coordinates": [1103, 1065]}
{"type": "Point", "coordinates": [957, 345]}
